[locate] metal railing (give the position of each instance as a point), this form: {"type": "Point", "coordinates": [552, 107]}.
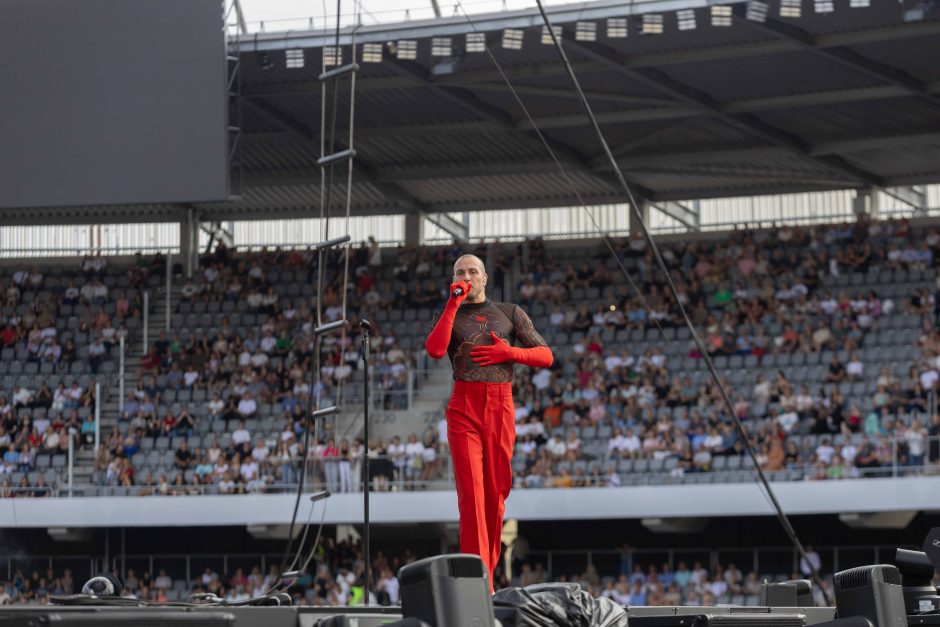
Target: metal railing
{"type": "Point", "coordinates": [400, 474]}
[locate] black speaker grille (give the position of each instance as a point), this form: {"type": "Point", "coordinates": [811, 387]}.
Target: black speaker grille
{"type": "Point", "coordinates": [891, 574]}
{"type": "Point", "coordinates": [861, 576]}
{"type": "Point", "coordinates": [465, 567]}
{"type": "Point", "coordinates": [853, 578]}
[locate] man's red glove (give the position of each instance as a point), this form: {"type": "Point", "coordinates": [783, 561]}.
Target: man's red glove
{"type": "Point", "coordinates": [500, 351]}
{"type": "Point", "coordinates": [439, 337]}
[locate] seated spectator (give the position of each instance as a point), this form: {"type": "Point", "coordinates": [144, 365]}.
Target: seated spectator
{"type": "Point", "coordinates": [247, 407]}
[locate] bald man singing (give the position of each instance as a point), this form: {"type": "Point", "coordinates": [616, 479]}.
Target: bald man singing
{"type": "Point", "coordinates": [478, 335]}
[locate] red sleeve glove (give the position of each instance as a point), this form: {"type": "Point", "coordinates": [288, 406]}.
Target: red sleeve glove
{"type": "Point", "coordinates": [500, 351]}
{"type": "Point", "coordinates": [439, 338]}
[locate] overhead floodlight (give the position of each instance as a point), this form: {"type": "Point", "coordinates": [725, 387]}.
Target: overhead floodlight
{"type": "Point", "coordinates": [407, 49]}
{"type": "Point", "coordinates": [441, 47]}
{"type": "Point", "coordinates": [721, 15]}
{"type": "Point", "coordinates": [791, 8]}
{"type": "Point", "coordinates": [686, 19]}
{"type": "Point", "coordinates": [757, 11]}
{"type": "Point", "coordinates": [547, 35]}
{"type": "Point", "coordinates": [371, 53]}
{"type": "Point", "coordinates": [512, 39]}
{"type": "Point", "coordinates": [332, 55]}
{"type": "Point", "coordinates": [476, 42]}
{"type": "Point", "coordinates": [859, 4]}
{"type": "Point", "coordinates": [652, 24]}
{"type": "Point", "coordinates": [824, 6]}
{"type": "Point", "coordinates": [294, 58]}
{"type": "Point", "coordinates": [617, 27]}
{"type": "Point", "coordinates": [585, 31]}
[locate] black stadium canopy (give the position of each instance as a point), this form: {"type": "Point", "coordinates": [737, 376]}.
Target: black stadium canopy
{"type": "Point", "coordinates": [845, 99]}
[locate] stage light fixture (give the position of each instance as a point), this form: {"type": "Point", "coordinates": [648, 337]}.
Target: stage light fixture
{"type": "Point", "coordinates": [617, 27]}
{"type": "Point", "coordinates": [407, 49]}
{"type": "Point", "coordinates": [371, 53]}
{"type": "Point", "coordinates": [512, 39]}
{"type": "Point", "coordinates": [476, 42]}
{"type": "Point", "coordinates": [265, 62]}
{"type": "Point", "coordinates": [824, 6]}
{"type": "Point", "coordinates": [652, 24]}
{"type": "Point", "coordinates": [332, 56]}
{"type": "Point", "coordinates": [547, 35]}
{"type": "Point", "coordinates": [294, 58]}
{"type": "Point", "coordinates": [757, 11]}
{"type": "Point", "coordinates": [791, 8]}
{"type": "Point", "coordinates": [585, 31]}
{"type": "Point", "coordinates": [686, 19]}
{"type": "Point", "coordinates": [859, 4]}
{"type": "Point", "coordinates": [441, 47]}
{"type": "Point", "coordinates": [721, 15]}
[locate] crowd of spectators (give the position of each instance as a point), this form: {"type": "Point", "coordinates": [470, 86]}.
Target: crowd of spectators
{"type": "Point", "coordinates": [765, 298]}
{"type": "Point", "coordinates": [760, 296]}
{"type": "Point", "coordinates": [336, 578]}
{"type": "Point", "coordinates": [56, 330]}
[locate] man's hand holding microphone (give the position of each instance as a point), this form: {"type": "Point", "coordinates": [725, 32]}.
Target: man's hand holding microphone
{"type": "Point", "coordinates": [459, 291]}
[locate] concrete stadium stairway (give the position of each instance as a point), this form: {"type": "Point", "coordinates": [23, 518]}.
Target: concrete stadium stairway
{"type": "Point", "coordinates": [111, 403]}
{"type": "Point", "coordinates": [427, 407]}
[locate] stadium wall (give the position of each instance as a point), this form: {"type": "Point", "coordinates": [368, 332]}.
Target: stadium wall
{"type": "Point", "coordinates": [908, 494]}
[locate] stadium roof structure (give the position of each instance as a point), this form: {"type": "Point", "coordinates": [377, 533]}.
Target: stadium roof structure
{"type": "Point", "coordinates": [836, 100]}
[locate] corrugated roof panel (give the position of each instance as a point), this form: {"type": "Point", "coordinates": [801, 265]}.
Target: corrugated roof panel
{"type": "Point", "coordinates": [919, 56]}
{"type": "Point", "coordinates": [493, 188]}
{"type": "Point", "coordinates": [870, 118]}
{"type": "Point", "coordinates": [917, 160]}
{"type": "Point", "coordinates": [769, 75]}
{"type": "Point", "coordinates": [430, 149]}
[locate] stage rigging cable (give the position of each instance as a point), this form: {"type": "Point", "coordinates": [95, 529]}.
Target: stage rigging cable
{"type": "Point", "coordinates": [762, 482]}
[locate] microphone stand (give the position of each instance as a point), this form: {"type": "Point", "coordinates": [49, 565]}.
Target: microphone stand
{"type": "Point", "coordinates": [366, 330]}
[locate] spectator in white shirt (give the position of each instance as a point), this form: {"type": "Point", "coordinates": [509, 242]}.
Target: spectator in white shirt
{"type": "Point", "coordinates": [556, 447]}
{"type": "Point", "coordinates": [247, 406]}
{"type": "Point", "coordinates": [414, 457]}
{"type": "Point", "coordinates": [855, 369]}
{"type": "Point", "coordinates": [241, 438]}
{"type": "Point", "coordinates": [617, 444]}
{"type": "Point", "coordinates": [216, 405]}
{"type": "Point", "coordinates": [22, 397]}
{"type": "Point", "coordinates": [825, 451]}
{"type": "Point", "coordinates": [260, 452]}
{"type": "Point", "coordinates": [632, 443]}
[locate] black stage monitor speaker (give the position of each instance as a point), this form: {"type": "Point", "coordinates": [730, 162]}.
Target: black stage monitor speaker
{"type": "Point", "coordinates": [873, 592]}
{"type": "Point", "coordinates": [795, 593]}
{"type": "Point", "coordinates": [447, 591]}
{"type": "Point", "coordinates": [916, 575]}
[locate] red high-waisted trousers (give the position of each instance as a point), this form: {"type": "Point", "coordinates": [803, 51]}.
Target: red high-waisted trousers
{"type": "Point", "coordinates": [481, 433]}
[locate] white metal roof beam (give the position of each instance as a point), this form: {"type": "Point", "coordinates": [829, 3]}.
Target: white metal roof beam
{"type": "Point", "coordinates": [684, 214]}
{"type": "Point", "coordinates": [751, 124]}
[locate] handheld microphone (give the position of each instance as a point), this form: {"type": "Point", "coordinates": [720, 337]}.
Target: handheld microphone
{"type": "Point", "coordinates": [457, 292]}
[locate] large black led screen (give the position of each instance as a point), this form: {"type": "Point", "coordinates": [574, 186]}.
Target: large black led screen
{"type": "Point", "coordinates": [112, 102]}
